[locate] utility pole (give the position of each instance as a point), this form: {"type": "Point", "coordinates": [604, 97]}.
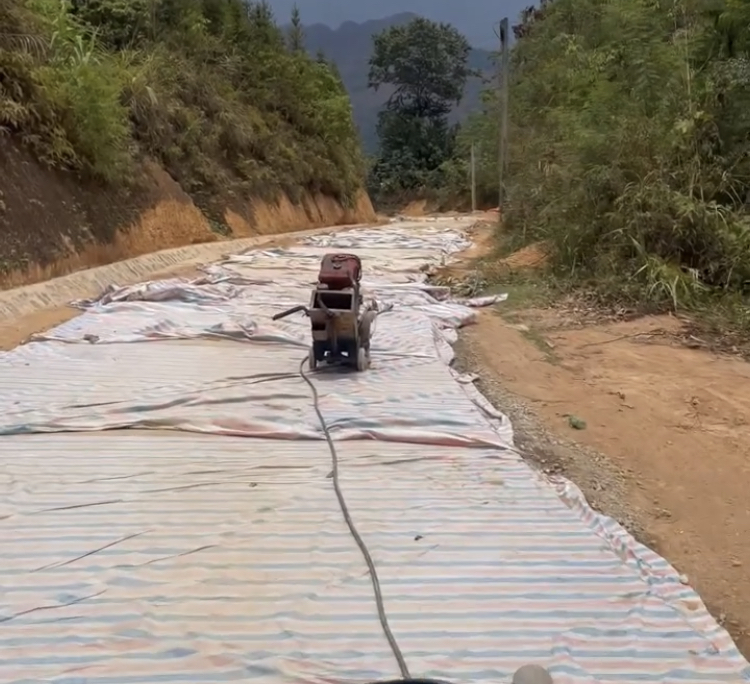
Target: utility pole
{"type": "Point", "coordinates": [473, 179]}
{"type": "Point", "coordinates": [503, 78]}
{"type": "Point", "coordinates": [152, 19]}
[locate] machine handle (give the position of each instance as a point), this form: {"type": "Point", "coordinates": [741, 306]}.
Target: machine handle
{"type": "Point", "coordinates": [289, 312]}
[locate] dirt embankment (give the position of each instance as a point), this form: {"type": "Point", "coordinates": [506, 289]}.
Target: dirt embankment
{"type": "Point", "coordinates": [649, 423]}
{"type": "Point", "coordinates": [52, 224]}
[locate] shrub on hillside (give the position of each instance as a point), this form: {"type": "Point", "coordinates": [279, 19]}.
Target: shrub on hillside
{"type": "Point", "coordinates": [629, 145]}
{"type": "Point", "coordinates": [209, 87]}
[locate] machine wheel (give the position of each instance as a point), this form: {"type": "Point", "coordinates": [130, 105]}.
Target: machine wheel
{"type": "Point", "coordinates": [363, 359]}
{"type": "Point", "coordinates": [365, 329]}
{"type": "Point", "coordinates": [312, 362]}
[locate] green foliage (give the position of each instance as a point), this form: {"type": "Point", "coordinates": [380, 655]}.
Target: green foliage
{"type": "Point", "coordinates": [424, 62]}
{"type": "Point", "coordinates": [208, 87]}
{"type": "Point", "coordinates": [424, 66]}
{"type": "Point", "coordinates": [296, 33]}
{"type": "Point", "coordinates": [629, 145]}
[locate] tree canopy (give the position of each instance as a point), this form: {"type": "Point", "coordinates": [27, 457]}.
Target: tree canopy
{"type": "Point", "coordinates": [296, 34]}
{"type": "Point", "coordinates": [425, 63]}
{"type": "Point", "coordinates": [425, 67]}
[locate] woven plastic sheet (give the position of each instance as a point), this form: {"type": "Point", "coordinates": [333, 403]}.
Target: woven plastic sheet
{"type": "Point", "coordinates": [165, 555]}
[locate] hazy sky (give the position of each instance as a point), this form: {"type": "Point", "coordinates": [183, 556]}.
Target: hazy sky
{"type": "Point", "coordinates": [474, 18]}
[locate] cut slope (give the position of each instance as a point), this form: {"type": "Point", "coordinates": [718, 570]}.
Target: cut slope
{"type": "Point", "coordinates": [52, 223]}
{"type": "Point", "coordinates": [99, 91]}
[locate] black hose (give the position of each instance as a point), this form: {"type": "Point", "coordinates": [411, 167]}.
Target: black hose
{"type": "Point", "coordinates": [411, 680]}
{"type": "Point", "coordinates": [529, 674]}
{"type": "Point", "coordinates": [396, 650]}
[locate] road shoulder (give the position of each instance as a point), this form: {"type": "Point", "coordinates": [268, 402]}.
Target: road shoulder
{"type": "Point", "coordinates": [654, 434]}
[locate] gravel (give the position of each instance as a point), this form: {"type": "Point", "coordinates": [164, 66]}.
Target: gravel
{"type": "Point", "coordinates": [603, 484]}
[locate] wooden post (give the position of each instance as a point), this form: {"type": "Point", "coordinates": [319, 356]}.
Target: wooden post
{"type": "Point", "coordinates": [473, 180]}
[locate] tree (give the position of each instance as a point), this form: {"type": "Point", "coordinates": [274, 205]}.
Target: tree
{"type": "Point", "coordinates": [630, 160]}
{"type": "Point", "coordinates": [425, 66]}
{"type": "Point", "coordinates": [121, 23]}
{"type": "Point", "coordinates": [263, 31]}
{"type": "Point", "coordinates": [296, 34]}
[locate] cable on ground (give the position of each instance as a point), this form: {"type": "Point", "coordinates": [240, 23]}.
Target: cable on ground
{"type": "Point", "coordinates": [382, 616]}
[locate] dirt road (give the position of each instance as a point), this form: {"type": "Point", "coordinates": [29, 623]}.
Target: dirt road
{"type": "Point", "coordinates": [654, 433]}
{"type": "Point", "coordinates": [167, 502]}
{"type": "Point", "coordinates": [14, 331]}
{"type": "Point", "coordinates": [191, 535]}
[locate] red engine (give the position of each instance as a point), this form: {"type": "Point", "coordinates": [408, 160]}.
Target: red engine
{"type": "Point", "coordinates": [339, 271]}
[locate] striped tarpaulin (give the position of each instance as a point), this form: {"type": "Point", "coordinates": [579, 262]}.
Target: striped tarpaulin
{"type": "Point", "coordinates": [205, 543]}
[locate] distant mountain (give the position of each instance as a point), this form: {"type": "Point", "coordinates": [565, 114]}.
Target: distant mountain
{"type": "Point", "coordinates": [474, 18]}
{"type": "Point", "coordinates": [350, 47]}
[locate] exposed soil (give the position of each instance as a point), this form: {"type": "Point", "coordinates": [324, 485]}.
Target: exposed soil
{"type": "Point", "coordinates": [531, 256]}
{"type": "Point", "coordinates": [415, 209]}
{"type": "Point", "coordinates": [53, 223]}
{"type": "Point", "coordinates": [14, 332]}
{"type": "Point", "coordinates": [47, 216]}
{"type": "Point", "coordinates": [657, 435]}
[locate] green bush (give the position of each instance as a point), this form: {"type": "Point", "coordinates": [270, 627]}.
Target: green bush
{"type": "Point", "coordinates": [87, 94]}
{"type": "Point", "coordinates": [208, 87]}
{"type": "Point", "coordinates": [629, 145]}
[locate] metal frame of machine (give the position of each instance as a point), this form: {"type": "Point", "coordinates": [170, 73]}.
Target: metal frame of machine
{"type": "Point", "coordinates": [340, 324]}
